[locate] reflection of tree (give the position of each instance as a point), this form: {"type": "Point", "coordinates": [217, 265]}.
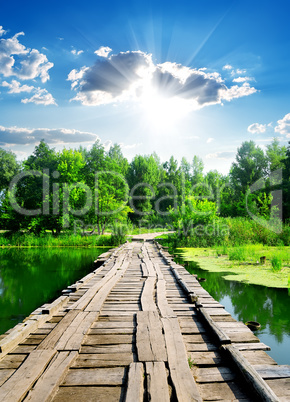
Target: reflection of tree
{"type": "Point", "coordinates": [268, 306]}
{"type": "Point", "coordinates": [31, 277]}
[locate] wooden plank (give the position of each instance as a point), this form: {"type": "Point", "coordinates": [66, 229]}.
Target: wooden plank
{"type": "Point", "coordinates": [162, 303]}
{"type": "Point", "coordinates": [222, 391]}
{"type": "Point", "coordinates": [145, 272]}
{"type": "Point", "coordinates": [89, 394]}
{"type": "Point", "coordinates": [214, 374]}
{"type": "Point", "coordinates": [122, 348]}
{"type": "Point", "coordinates": [51, 340]}
{"type": "Point", "coordinates": [211, 358]}
{"type": "Point", "coordinates": [95, 376]}
{"type": "Point", "coordinates": [73, 336]}
{"type": "Point", "coordinates": [12, 361]}
{"type": "Point", "coordinates": [183, 381]}
{"type": "Point", "coordinates": [157, 386]}
{"type": "Point", "coordinates": [107, 339]}
{"type": "Point", "coordinates": [135, 385]}
{"type": "Point", "coordinates": [258, 357]}
{"type": "Point", "coordinates": [47, 385]}
{"type": "Point", "coordinates": [281, 387]}
{"type": "Point", "coordinates": [217, 331]}
{"type": "Point", "coordinates": [250, 374]}
{"type": "Point", "coordinates": [270, 371]}
{"type": "Point", "coordinates": [147, 301]}
{"type": "Point", "coordinates": [22, 380]}
{"type": "Point", "coordinates": [5, 374]}
{"type": "Point", "coordinates": [19, 333]}
{"type": "Point", "coordinates": [103, 360]}
{"type": "Point", "coordinates": [252, 346]}
{"type": "Point", "coordinates": [55, 306]}
{"type": "Point", "coordinates": [149, 339]}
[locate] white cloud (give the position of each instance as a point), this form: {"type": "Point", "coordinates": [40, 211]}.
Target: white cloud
{"type": "Point", "coordinates": [209, 140]}
{"type": "Point", "coordinates": [21, 62]}
{"type": "Point", "coordinates": [130, 146]}
{"type": "Point", "coordinates": [243, 79]}
{"type": "Point", "coordinates": [228, 67]}
{"type": "Point", "coordinates": [41, 97]}
{"type": "Point", "coordinates": [103, 51]}
{"type": "Point", "coordinates": [77, 53]}
{"type": "Point", "coordinates": [238, 92]}
{"type": "Point", "coordinates": [130, 75]}
{"type": "Point", "coordinates": [24, 136]}
{"type": "Point", "coordinates": [257, 128]}
{"type": "Point", "coordinates": [283, 126]}
{"type": "Point", "coordinates": [15, 87]}
{"type": "Point", "coordinates": [221, 155]}
{"type": "Point", "coordinates": [2, 31]}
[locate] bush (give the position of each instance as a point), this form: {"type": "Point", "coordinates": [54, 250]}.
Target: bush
{"type": "Point", "coordinates": [276, 264]}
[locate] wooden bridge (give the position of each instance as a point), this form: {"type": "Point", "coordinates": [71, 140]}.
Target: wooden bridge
{"type": "Point", "coordinates": [138, 328]}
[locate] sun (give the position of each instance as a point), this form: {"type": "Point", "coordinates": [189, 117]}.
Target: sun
{"type": "Point", "coordinates": [161, 112]}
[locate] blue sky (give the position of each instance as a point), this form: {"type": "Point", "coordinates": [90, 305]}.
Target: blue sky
{"type": "Point", "coordinates": [179, 78]}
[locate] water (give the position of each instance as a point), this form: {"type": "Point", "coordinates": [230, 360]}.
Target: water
{"type": "Point", "coordinates": [269, 306]}
{"type": "Point", "coordinates": [32, 277]}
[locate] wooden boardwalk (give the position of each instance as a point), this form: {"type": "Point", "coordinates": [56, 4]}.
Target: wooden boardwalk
{"type": "Point", "coordinates": [138, 328]}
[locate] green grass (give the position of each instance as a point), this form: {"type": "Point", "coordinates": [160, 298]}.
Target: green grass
{"type": "Point", "coordinates": [47, 240]}
{"type": "Point", "coordinates": [276, 262]}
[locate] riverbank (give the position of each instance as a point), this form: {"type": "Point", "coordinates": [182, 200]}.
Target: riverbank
{"type": "Point", "coordinates": [243, 265]}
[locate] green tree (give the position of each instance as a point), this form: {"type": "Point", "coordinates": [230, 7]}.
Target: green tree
{"type": "Point", "coordinates": [9, 167]}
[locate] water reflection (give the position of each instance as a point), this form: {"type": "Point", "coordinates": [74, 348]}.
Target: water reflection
{"type": "Point", "coordinates": [31, 277]}
{"type": "Point", "coordinates": [245, 302]}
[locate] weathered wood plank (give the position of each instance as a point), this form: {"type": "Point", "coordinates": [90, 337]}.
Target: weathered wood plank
{"type": "Point", "coordinates": [157, 386]}
{"type": "Point", "coordinates": [214, 374]}
{"type": "Point", "coordinates": [74, 334]}
{"type": "Point", "coordinates": [149, 339]}
{"type": "Point", "coordinates": [47, 385]}
{"type": "Point", "coordinates": [5, 374]}
{"type": "Point", "coordinates": [258, 357]}
{"type": "Point", "coordinates": [183, 381]}
{"type": "Point", "coordinates": [162, 303]}
{"type": "Point", "coordinates": [251, 375]}
{"type": "Point", "coordinates": [135, 384]}
{"type": "Point", "coordinates": [89, 394]}
{"type": "Point", "coordinates": [270, 371]}
{"type": "Point", "coordinates": [221, 391]}
{"type": "Point", "coordinates": [147, 301]}
{"type": "Point", "coordinates": [22, 380]}
{"type": "Point", "coordinates": [95, 376]}
{"type": "Point", "coordinates": [51, 340]}
{"type": "Point", "coordinates": [215, 328]}
{"type": "Point", "coordinates": [12, 361]}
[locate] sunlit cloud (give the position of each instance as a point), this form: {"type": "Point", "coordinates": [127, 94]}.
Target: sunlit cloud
{"type": "Point", "coordinates": [134, 76]}
{"type": "Point", "coordinates": [103, 51]}
{"type": "Point", "coordinates": [10, 136]}
{"type": "Point", "coordinates": [283, 126]}
{"type": "Point", "coordinates": [209, 140]}
{"type": "Point", "coordinates": [2, 31]}
{"type": "Point", "coordinates": [41, 97]}
{"type": "Point", "coordinates": [228, 67]}
{"type": "Point", "coordinates": [21, 62]}
{"type": "Point", "coordinates": [15, 87]}
{"type": "Point", "coordinates": [243, 79]}
{"type": "Point", "coordinates": [257, 128]}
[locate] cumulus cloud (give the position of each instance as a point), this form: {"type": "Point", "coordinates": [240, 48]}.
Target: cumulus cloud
{"type": "Point", "coordinates": [228, 67]}
{"type": "Point", "coordinates": [103, 51]}
{"type": "Point", "coordinates": [221, 155]}
{"type": "Point", "coordinates": [2, 31]}
{"type": "Point", "coordinates": [21, 62]}
{"type": "Point", "coordinates": [283, 126]}
{"type": "Point", "coordinates": [24, 136]}
{"type": "Point", "coordinates": [77, 53]}
{"type": "Point", "coordinates": [130, 75]}
{"type": "Point", "coordinates": [209, 140]}
{"type": "Point", "coordinates": [15, 87]}
{"type": "Point", "coordinates": [41, 97]}
{"type": "Point", "coordinates": [243, 79]}
{"type": "Point", "coordinates": [257, 128]}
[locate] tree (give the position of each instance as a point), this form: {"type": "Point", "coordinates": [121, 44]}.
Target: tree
{"type": "Point", "coordinates": [9, 167]}
{"type": "Point", "coordinates": [275, 154]}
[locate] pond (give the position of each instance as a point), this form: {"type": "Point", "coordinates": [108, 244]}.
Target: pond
{"type": "Point", "coordinates": [269, 306]}
{"type": "Point", "coordinates": [32, 277]}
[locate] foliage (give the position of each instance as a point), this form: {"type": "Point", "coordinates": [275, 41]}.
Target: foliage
{"type": "Point", "coordinates": [276, 263]}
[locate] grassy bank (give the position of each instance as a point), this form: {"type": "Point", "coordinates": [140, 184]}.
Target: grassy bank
{"type": "Point", "coordinates": [47, 240]}
{"type": "Point", "coordinates": [243, 263]}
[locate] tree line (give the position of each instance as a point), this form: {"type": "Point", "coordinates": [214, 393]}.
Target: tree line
{"type": "Point", "coordinates": [95, 188]}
